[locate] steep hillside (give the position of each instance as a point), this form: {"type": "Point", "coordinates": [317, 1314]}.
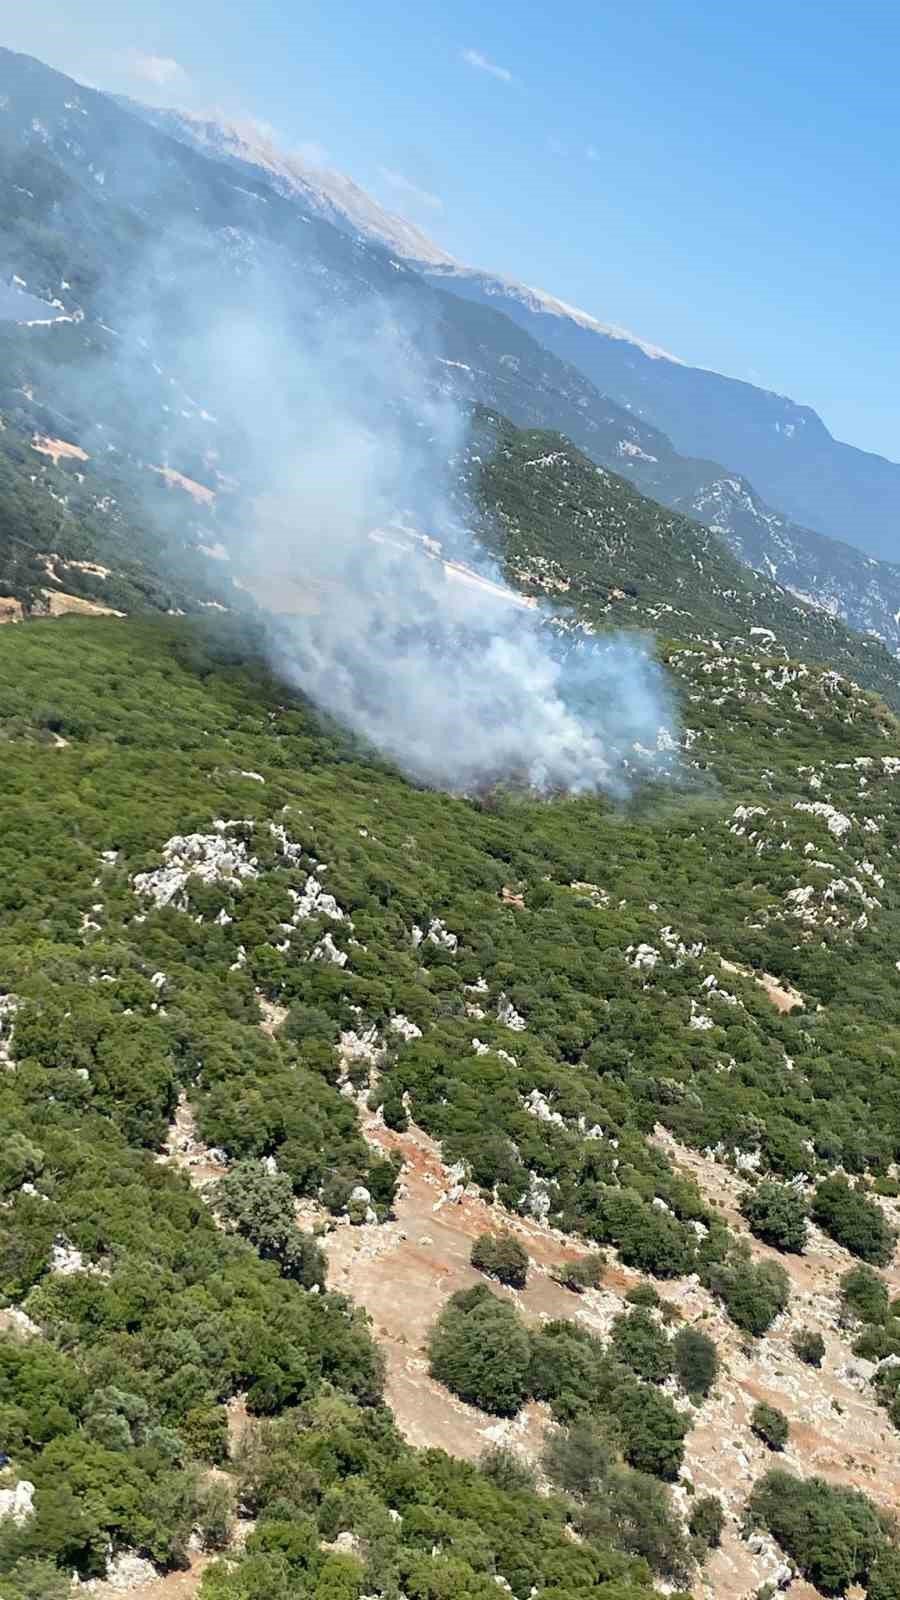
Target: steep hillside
{"type": "Point", "coordinates": [782, 447]}
{"type": "Point", "coordinates": [574, 532]}
{"type": "Point", "coordinates": [92, 193]}
{"type": "Point", "coordinates": [209, 895]}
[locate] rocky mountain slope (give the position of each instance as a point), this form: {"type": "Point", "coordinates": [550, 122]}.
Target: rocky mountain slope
{"type": "Point", "coordinates": [729, 423]}
{"type": "Point", "coordinates": [64, 226]}
{"type": "Point", "coordinates": [283, 1034]}
{"type": "Point", "coordinates": [782, 447]}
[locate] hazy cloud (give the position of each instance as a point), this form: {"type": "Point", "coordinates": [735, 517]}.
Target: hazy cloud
{"type": "Point", "coordinates": [411, 191]}
{"type": "Point", "coordinates": [481, 63]}
{"type": "Point", "coordinates": [162, 71]}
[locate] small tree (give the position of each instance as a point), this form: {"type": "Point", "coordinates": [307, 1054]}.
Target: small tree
{"type": "Point", "coordinates": [777, 1214]}
{"type": "Point", "coordinates": [578, 1458]}
{"type": "Point", "coordinates": [260, 1205]}
{"type": "Point", "coordinates": [884, 1575]}
{"type": "Point", "coordinates": [770, 1425]}
{"type": "Point", "coordinates": [587, 1273]}
{"type": "Point", "coordinates": [500, 1256]}
{"type": "Point", "coordinates": [854, 1221]}
{"type": "Point", "coordinates": [808, 1346]}
{"type": "Point", "coordinates": [696, 1362]}
{"type": "Point", "coordinates": [652, 1429]}
{"type": "Point", "coordinates": [706, 1521]}
{"type": "Point", "coordinates": [479, 1348]}
{"type": "Point", "coordinates": [753, 1293]}
{"type": "Point", "coordinates": [864, 1296]}
{"type": "Point", "coordinates": [643, 1294]}
{"type": "Point", "coordinates": [639, 1343]}
{"type": "Point", "coordinates": [507, 1470]}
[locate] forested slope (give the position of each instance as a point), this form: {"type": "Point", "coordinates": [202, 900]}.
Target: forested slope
{"type": "Point", "coordinates": [540, 985]}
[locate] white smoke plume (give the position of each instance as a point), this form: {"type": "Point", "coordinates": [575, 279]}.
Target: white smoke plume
{"type": "Point", "coordinates": [334, 425]}
{"type": "Point", "coordinates": [350, 446]}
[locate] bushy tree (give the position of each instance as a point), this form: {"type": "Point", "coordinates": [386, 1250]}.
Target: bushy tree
{"type": "Point", "coordinates": [479, 1348]}
{"type": "Point", "coordinates": [854, 1221]}
{"type": "Point", "coordinates": [706, 1520]}
{"type": "Point", "coordinates": [884, 1575]}
{"type": "Point", "coordinates": [635, 1512]}
{"type": "Point", "coordinates": [770, 1425]}
{"type": "Point", "coordinates": [753, 1293]}
{"type": "Point", "coordinates": [585, 1273]}
{"type": "Point", "coordinates": [834, 1535]}
{"type": "Point", "coordinates": [643, 1294]}
{"type": "Point", "coordinates": [652, 1430]}
{"type": "Point", "coordinates": [776, 1213]}
{"type": "Point", "coordinates": [501, 1256]}
{"type": "Point", "coordinates": [640, 1343]}
{"type": "Point", "coordinates": [260, 1205]}
{"type": "Point", "coordinates": [577, 1458]}
{"type": "Point", "coordinates": [696, 1362]}
{"type": "Point", "coordinates": [864, 1296]}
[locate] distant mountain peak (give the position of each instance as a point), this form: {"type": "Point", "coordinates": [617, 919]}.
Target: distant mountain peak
{"type": "Point", "coordinates": [301, 176]}
{"type": "Point", "coordinates": [542, 303]}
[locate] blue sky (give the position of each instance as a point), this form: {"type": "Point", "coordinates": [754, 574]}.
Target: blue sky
{"type": "Point", "coordinates": [720, 178]}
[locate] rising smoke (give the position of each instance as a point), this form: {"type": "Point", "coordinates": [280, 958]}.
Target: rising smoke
{"type": "Point", "coordinates": [341, 440]}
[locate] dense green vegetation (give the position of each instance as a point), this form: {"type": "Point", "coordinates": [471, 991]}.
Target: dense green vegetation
{"type": "Point", "coordinates": [482, 1350]}
{"type": "Point", "coordinates": [120, 737]}
{"type": "Point", "coordinates": [836, 1536]}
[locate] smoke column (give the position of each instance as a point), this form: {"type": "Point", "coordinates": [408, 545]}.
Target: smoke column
{"type": "Point", "coordinates": [339, 429]}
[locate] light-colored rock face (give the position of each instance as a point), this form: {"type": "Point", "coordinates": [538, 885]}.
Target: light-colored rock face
{"type": "Point", "coordinates": [65, 1260]}
{"type": "Point", "coordinates": [327, 950]}
{"type": "Point", "coordinates": [18, 1502]}
{"type": "Point", "coordinates": [8, 1007]}
{"type": "Point", "coordinates": [404, 1027]}
{"type": "Point", "coordinates": [10, 609]}
{"type": "Point", "coordinates": [438, 934]}
{"type": "Point", "coordinates": [509, 1016]}
{"type": "Point", "coordinates": [210, 857]}
{"type": "Point", "coordinates": [127, 1571]}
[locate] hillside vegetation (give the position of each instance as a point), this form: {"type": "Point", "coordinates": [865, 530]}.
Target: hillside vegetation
{"type": "Point", "coordinates": [544, 984]}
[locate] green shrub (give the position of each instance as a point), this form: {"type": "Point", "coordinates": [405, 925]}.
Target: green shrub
{"type": "Point", "coordinates": [753, 1293]}
{"type": "Point", "coordinates": [706, 1521]}
{"type": "Point", "coordinates": [577, 1458]}
{"type": "Point", "coordinates": [854, 1221]}
{"type": "Point", "coordinates": [770, 1425]}
{"type": "Point", "coordinates": [777, 1214]}
{"type": "Point", "coordinates": [651, 1428]}
{"type": "Point", "coordinates": [585, 1273]}
{"type": "Point", "coordinates": [479, 1348]}
{"type": "Point", "coordinates": [835, 1536]}
{"type": "Point", "coordinates": [884, 1575]}
{"type": "Point", "coordinates": [501, 1256]}
{"type": "Point", "coordinates": [696, 1362]}
{"type": "Point", "coordinates": [639, 1343]}
{"type": "Point", "coordinates": [643, 1294]}
{"type": "Point", "coordinates": [635, 1513]}
{"type": "Point", "coordinates": [864, 1296]}
{"type": "Point", "coordinates": [808, 1346]}
{"type": "Point", "coordinates": [260, 1205]}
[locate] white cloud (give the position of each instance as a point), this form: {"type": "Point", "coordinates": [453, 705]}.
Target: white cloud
{"type": "Point", "coordinates": [474, 58]}
{"type": "Point", "coordinates": [411, 191]}
{"type": "Point", "coordinates": [162, 71]}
